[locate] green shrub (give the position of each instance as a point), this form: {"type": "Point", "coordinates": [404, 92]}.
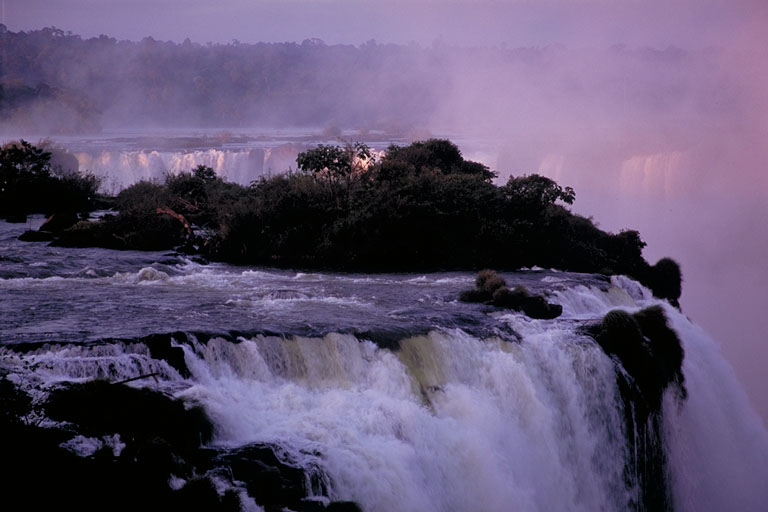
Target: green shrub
{"type": "Point", "coordinates": [489, 281]}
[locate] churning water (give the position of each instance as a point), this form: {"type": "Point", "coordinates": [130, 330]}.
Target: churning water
{"type": "Point", "coordinates": [385, 388]}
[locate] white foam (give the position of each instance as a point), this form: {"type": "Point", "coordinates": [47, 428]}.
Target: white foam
{"type": "Point", "coordinates": [718, 445]}
{"type": "Point", "coordinates": [501, 426]}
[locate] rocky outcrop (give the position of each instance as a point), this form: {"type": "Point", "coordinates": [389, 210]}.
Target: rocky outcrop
{"type": "Point", "coordinates": [651, 357]}
{"type": "Point", "coordinates": [490, 288]}
{"type": "Point", "coordinates": [58, 222]}
{"type": "Point", "coordinates": [648, 349]}
{"type": "Point", "coordinates": [145, 232]}
{"type": "Point", "coordinates": [32, 235]}
{"type": "Point", "coordinates": [122, 448]}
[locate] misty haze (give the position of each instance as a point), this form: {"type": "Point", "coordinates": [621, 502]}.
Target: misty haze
{"type": "Point", "coordinates": [276, 217]}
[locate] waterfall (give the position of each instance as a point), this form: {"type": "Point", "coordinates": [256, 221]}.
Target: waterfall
{"type": "Point", "coordinates": [121, 168]}
{"type": "Point", "coordinates": [532, 419]}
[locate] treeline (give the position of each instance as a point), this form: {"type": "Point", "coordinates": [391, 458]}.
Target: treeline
{"type": "Point", "coordinates": [53, 81]}
{"type": "Point", "coordinates": [420, 207]}
{"type": "Point", "coordinates": [60, 82]}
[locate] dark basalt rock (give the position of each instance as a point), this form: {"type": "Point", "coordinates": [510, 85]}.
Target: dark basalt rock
{"type": "Point", "coordinates": [160, 348]}
{"type": "Point", "coordinates": [537, 307]}
{"type": "Point", "coordinates": [270, 482]}
{"type": "Point", "coordinates": [100, 408]}
{"type": "Point", "coordinates": [15, 404]}
{"type": "Point", "coordinates": [161, 439]}
{"type": "Point", "coordinates": [475, 295]}
{"type": "Point", "coordinates": [36, 236]}
{"type": "Point", "coordinates": [58, 222]}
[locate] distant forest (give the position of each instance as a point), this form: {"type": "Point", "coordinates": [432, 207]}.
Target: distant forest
{"type": "Point", "coordinates": [78, 82]}
{"type": "Point", "coordinates": [57, 82]}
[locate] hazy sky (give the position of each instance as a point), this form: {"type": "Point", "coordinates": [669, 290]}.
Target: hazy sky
{"type": "Point", "coordinates": [485, 22]}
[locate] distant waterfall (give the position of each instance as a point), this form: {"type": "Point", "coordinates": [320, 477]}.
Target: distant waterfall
{"type": "Point", "coordinates": [121, 168]}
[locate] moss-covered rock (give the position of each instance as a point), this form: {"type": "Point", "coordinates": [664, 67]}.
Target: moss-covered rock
{"type": "Point", "coordinates": [648, 349]}
{"type": "Point", "coordinates": [492, 289]}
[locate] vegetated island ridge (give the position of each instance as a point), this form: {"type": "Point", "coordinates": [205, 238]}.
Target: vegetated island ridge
{"type": "Point", "coordinates": [419, 207]}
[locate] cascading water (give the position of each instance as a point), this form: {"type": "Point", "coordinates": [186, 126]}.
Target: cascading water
{"type": "Point", "coordinates": [121, 168]}
{"type": "Point", "coordinates": [386, 391]}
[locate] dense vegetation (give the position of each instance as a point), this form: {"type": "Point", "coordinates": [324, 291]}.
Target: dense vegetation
{"type": "Point", "coordinates": [420, 207]}
{"type": "Point", "coordinates": [31, 183]}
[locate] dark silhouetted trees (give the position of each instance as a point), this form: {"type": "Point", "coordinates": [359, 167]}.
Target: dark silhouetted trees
{"type": "Point", "coordinates": [420, 207]}
{"type": "Point", "coordinates": [30, 184]}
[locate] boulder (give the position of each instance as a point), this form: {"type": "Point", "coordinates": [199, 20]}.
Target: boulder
{"type": "Point", "coordinates": [58, 222]}
{"type": "Point", "coordinates": [36, 236]}
{"type": "Point", "coordinates": [272, 483]}
{"type": "Point", "coordinates": [492, 289]}
{"type": "Point", "coordinates": [511, 299]}
{"type": "Point", "coordinates": [536, 306]}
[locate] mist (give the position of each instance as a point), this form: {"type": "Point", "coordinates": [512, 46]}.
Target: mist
{"type": "Point", "coordinates": [655, 112]}
{"type": "Point", "coordinates": [669, 142]}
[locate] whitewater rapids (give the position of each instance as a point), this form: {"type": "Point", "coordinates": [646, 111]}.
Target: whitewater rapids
{"type": "Point", "coordinates": [385, 387]}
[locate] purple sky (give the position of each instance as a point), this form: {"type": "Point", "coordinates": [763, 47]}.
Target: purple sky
{"type": "Point", "coordinates": [484, 22]}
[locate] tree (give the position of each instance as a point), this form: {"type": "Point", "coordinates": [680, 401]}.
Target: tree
{"type": "Point", "coordinates": [335, 162]}
{"type": "Point", "coordinates": [23, 157]}
{"type": "Point", "coordinates": [205, 173]}
{"type": "Point", "coordinates": [536, 191]}
{"type": "Point", "coordinates": [440, 154]}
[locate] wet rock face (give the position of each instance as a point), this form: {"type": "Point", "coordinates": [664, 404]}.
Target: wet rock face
{"type": "Point", "coordinates": [102, 408]}
{"type": "Point", "coordinates": [36, 236]}
{"type": "Point", "coordinates": [140, 440]}
{"type": "Point", "coordinates": [145, 451]}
